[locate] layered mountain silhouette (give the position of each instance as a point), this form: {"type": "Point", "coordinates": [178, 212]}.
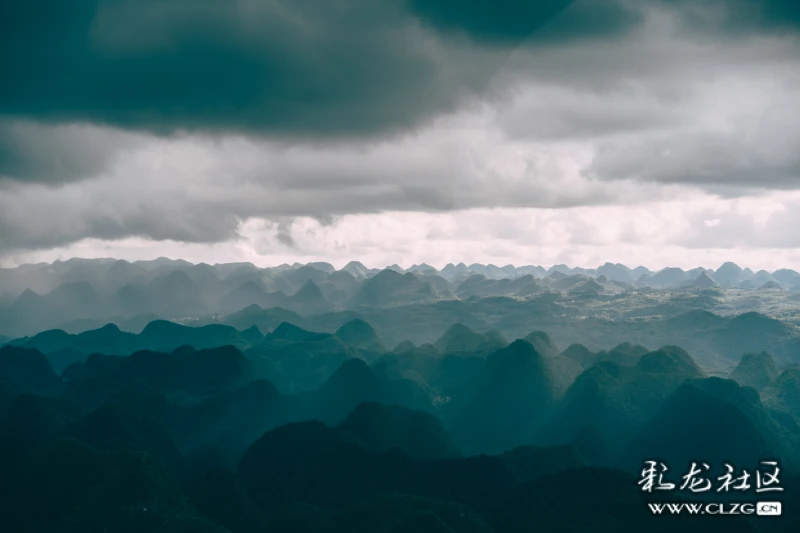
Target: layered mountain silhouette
{"type": "Point", "coordinates": [543, 343]}
{"type": "Point", "coordinates": [362, 336]}
{"type": "Point", "coordinates": [784, 392]}
{"type": "Point", "coordinates": [63, 349]}
{"type": "Point", "coordinates": [704, 281]}
{"type": "Point", "coordinates": [518, 390]}
{"type": "Point", "coordinates": [389, 288]}
{"type": "Point", "coordinates": [755, 370]}
{"type": "Point", "coordinates": [618, 399]}
{"type": "Point", "coordinates": [308, 299]}
{"type": "Point", "coordinates": [250, 293]}
{"type": "Point", "coordinates": [216, 443]}
{"type": "Point", "coordinates": [26, 370]}
{"type": "Point", "coordinates": [717, 420]}
{"type": "Point", "coordinates": [416, 304]}
{"type": "Point", "coordinates": [460, 339]}
{"type": "Point", "coordinates": [298, 359]}
{"type": "Point", "coordinates": [380, 427]}
{"type": "Point", "coordinates": [393, 400]}
{"type": "Point", "coordinates": [623, 354]}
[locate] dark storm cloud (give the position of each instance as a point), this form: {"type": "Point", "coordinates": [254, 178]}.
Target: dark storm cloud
{"type": "Point", "coordinates": [324, 108]}
{"type": "Point", "coordinates": [34, 153]}
{"type": "Point", "coordinates": [489, 20]}
{"type": "Point", "coordinates": [289, 68]}
{"type": "Point", "coordinates": [300, 67]}
{"type": "Point", "coordinates": [779, 13]}
{"type": "Point", "coordinates": [737, 16]}
{"type": "Point", "coordinates": [510, 22]}
{"type": "Point", "coordinates": [50, 221]}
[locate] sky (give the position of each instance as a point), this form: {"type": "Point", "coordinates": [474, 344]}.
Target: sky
{"type": "Point", "coordinates": [656, 133]}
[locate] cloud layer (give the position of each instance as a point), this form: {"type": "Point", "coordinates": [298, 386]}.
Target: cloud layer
{"type": "Point", "coordinates": [686, 232]}
{"type": "Point", "coordinates": [197, 122]}
{"type": "Point", "coordinates": [300, 68]}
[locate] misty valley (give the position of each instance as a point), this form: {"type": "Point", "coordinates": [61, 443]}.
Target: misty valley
{"type": "Point", "coordinates": [167, 396]}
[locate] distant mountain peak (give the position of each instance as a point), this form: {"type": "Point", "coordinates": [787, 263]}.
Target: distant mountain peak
{"type": "Point", "coordinates": [460, 339]}
{"type": "Point", "coordinates": [288, 331]}
{"type": "Point", "coordinates": [309, 291]}
{"type": "Point", "coordinates": [28, 295]}
{"type": "Point", "coordinates": [353, 373]}
{"type": "Point", "coordinates": [356, 331]}
{"type": "Point", "coordinates": [543, 343]}
{"type": "Point", "coordinates": [324, 267]}
{"type": "Point", "coordinates": [356, 268]}
{"type": "Point", "coordinates": [783, 394]}
{"type": "Point", "coordinates": [755, 370]}
{"type": "Point", "coordinates": [730, 265]}
{"type": "Point", "coordinates": [388, 274]}
{"type": "Point", "coordinates": [669, 360]}
{"type": "Point", "coordinates": [159, 325]}
{"type": "Point", "coordinates": [458, 329]}
{"type": "Point", "coordinates": [404, 347]}
{"type": "Point", "coordinates": [704, 281]}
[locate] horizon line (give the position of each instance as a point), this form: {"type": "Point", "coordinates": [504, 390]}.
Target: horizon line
{"type": "Point", "coordinates": [389, 266]}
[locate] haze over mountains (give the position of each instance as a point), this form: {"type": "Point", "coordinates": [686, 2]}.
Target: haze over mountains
{"type": "Point", "coordinates": [218, 429]}
{"type": "Point", "coordinates": [219, 396]}
{"type": "Point", "coordinates": [33, 296]}
{"type": "Point", "coordinates": [716, 314]}
{"type": "Point", "coordinates": [436, 400]}
{"type": "Point", "coordinates": [113, 275]}
{"type": "Point", "coordinates": [229, 398]}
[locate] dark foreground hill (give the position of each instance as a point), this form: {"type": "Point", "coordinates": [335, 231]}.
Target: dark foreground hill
{"type": "Point", "coordinates": [518, 389]}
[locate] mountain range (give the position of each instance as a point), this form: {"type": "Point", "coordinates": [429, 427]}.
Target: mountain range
{"type": "Point", "coordinates": [112, 275]}
{"type": "Point", "coordinates": [171, 397]}
{"type": "Point", "coordinates": [176, 429]}
{"type": "Point", "coordinates": [80, 295]}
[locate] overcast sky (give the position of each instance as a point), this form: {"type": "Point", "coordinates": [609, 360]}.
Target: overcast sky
{"type": "Point", "coordinates": [656, 133]}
